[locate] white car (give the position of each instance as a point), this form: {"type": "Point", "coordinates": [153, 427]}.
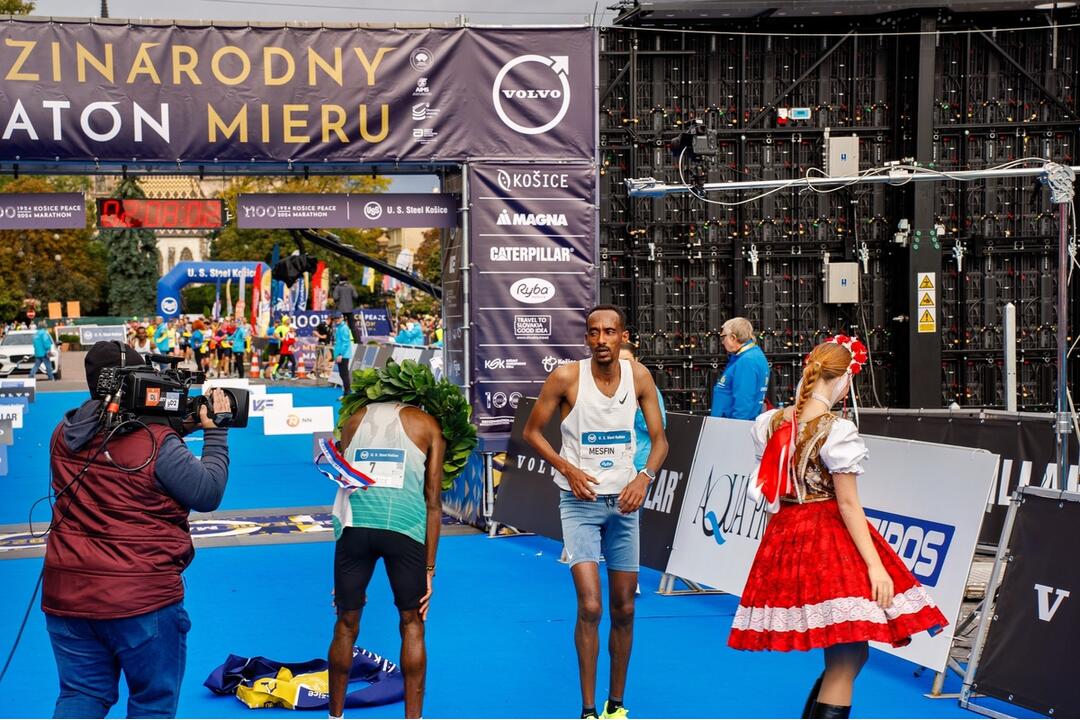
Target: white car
{"type": "Point", "coordinates": [17, 355]}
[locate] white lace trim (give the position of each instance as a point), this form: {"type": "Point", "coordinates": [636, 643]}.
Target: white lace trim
{"type": "Point", "coordinates": [830, 612]}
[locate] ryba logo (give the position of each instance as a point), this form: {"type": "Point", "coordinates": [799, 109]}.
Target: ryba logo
{"type": "Point", "coordinates": [1046, 610]}
{"type": "Point", "coordinates": [534, 219]}
{"type": "Point", "coordinates": [532, 291]}
{"type": "Point", "coordinates": [529, 96]}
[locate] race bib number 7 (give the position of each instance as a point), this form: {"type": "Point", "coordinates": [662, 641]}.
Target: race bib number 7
{"type": "Point", "coordinates": [386, 466]}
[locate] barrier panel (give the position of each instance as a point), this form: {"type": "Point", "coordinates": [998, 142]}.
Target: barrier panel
{"type": "Point", "coordinates": [926, 500]}
{"type": "Point", "coordinates": [1025, 442]}
{"type": "Point", "coordinates": [1026, 650]}
{"type": "Point", "coordinates": [528, 498]}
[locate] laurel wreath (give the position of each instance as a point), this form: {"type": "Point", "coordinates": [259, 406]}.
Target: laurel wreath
{"type": "Point", "coordinates": [413, 384]}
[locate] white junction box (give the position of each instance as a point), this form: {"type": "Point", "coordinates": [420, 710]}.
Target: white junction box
{"type": "Point", "coordinates": [842, 156]}
{"type": "Point", "coordinates": [842, 282]}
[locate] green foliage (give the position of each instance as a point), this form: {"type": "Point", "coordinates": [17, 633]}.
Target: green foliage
{"type": "Point", "coordinates": [413, 384]}
{"type": "Point", "coordinates": [232, 243]}
{"type": "Point", "coordinates": [49, 265]}
{"type": "Point", "coordinates": [200, 299]}
{"type": "Point", "coordinates": [16, 7]}
{"type": "Point", "coordinates": [132, 263]}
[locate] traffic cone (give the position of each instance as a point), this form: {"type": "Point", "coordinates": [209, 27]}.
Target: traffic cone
{"type": "Point", "coordinates": [254, 371]}
{"type": "Point", "coordinates": [301, 373]}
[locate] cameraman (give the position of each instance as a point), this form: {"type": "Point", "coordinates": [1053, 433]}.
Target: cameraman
{"type": "Point", "coordinates": [119, 541]}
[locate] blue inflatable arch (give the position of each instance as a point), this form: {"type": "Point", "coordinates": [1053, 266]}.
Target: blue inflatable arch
{"type": "Point", "coordinates": [186, 273]}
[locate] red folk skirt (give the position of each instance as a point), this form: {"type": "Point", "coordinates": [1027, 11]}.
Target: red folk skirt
{"type": "Point", "coordinates": [809, 588]}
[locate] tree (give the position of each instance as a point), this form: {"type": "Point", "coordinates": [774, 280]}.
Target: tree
{"type": "Point", "coordinates": [427, 263]}
{"type": "Point", "coordinates": [232, 243]}
{"type": "Point", "coordinates": [16, 7]}
{"type": "Point", "coordinates": [50, 265]}
{"type": "Point", "coordinates": [132, 264]}
{"type": "Point", "coordinates": [428, 259]}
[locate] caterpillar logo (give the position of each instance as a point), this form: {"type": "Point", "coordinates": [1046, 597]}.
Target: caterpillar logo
{"type": "Point", "coordinates": [923, 545]}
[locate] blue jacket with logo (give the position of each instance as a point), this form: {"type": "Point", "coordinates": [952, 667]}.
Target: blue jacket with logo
{"type": "Point", "coordinates": [741, 389]}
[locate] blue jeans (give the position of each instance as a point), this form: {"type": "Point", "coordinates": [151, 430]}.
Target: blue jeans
{"type": "Point", "coordinates": [594, 527]}
{"type": "Point", "coordinates": [38, 362]}
{"type": "Point", "coordinates": [150, 649]}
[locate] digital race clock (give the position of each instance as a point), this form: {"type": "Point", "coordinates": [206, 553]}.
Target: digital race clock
{"type": "Point", "coordinates": [161, 213]}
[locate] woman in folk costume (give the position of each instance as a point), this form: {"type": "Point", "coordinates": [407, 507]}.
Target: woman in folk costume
{"type": "Point", "coordinates": [822, 576]}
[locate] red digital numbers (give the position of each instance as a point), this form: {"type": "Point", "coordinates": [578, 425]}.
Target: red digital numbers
{"type": "Point", "coordinates": [160, 213]}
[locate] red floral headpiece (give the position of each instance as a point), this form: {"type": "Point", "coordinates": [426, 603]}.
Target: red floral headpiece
{"type": "Point", "coordinates": [858, 352]}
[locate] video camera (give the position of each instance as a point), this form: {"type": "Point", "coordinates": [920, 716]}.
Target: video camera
{"type": "Point", "coordinates": [145, 393]}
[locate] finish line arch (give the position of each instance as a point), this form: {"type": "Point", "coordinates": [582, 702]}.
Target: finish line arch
{"type": "Point", "coordinates": [188, 273]}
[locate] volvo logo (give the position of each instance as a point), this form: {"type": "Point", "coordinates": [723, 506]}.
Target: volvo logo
{"type": "Point", "coordinates": [530, 98]}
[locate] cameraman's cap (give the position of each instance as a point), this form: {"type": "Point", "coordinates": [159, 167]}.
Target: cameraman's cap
{"type": "Point", "coordinates": [106, 354]}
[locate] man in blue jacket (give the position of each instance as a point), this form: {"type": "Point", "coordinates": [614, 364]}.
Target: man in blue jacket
{"type": "Point", "coordinates": [343, 347]}
{"type": "Point", "coordinates": [43, 343]}
{"type": "Point", "coordinates": [741, 389]}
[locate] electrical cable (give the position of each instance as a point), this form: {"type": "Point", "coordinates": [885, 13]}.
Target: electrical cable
{"type": "Point", "coordinates": [867, 34]}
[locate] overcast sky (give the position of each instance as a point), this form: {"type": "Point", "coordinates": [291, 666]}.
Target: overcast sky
{"type": "Point", "coordinates": [546, 12]}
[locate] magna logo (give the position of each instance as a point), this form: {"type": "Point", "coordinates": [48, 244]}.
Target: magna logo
{"type": "Point", "coordinates": [922, 544]}
{"type": "Point", "coordinates": [532, 291]}
{"type": "Point", "coordinates": [534, 219]}
{"type": "Point", "coordinates": [522, 92]}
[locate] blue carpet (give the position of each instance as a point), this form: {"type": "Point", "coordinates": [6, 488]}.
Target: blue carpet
{"type": "Point", "coordinates": [499, 640]}
{"type": "Point", "coordinates": [265, 471]}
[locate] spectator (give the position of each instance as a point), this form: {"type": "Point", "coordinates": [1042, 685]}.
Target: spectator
{"type": "Point", "coordinates": [288, 357]}
{"type": "Point", "coordinates": [345, 297]}
{"type": "Point", "coordinates": [238, 341]}
{"type": "Point", "coordinates": [343, 348]}
{"type": "Point", "coordinates": [199, 340]}
{"type": "Point", "coordinates": [324, 338]}
{"type": "Point", "coordinates": [163, 337]}
{"type": "Point", "coordinates": [43, 343]}
{"type": "Point", "coordinates": [141, 342]}
{"type": "Point", "coordinates": [741, 388]}
{"type": "Point", "coordinates": [642, 441]}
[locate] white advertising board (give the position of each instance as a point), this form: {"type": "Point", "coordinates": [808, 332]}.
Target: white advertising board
{"type": "Point", "coordinates": [927, 500]}
{"type": "Point", "coordinates": [298, 421]}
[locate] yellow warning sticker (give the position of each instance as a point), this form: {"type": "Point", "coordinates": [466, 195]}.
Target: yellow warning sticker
{"type": "Point", "coordinates": [926, 298]}
{"type": "Point", "coordinates": [928, 320]}
{"type": "Point", "coordinates": [925, 281]}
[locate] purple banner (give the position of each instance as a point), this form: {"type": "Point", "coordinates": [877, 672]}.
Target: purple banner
{"type": "Point", "coordinates": [532, 253]}
{"type": "Point", "coordinates": [79, 92]}
{"type": "Point", "coordinates": [42, 211]}
{"type": "Point", "coordinates": [315, 210]}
